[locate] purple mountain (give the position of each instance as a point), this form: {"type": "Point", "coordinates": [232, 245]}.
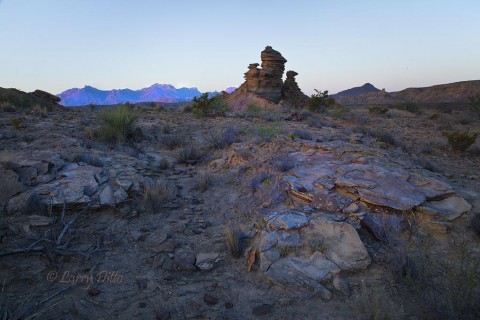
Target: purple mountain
{"type": "Point", "coordinates": [154, 93]}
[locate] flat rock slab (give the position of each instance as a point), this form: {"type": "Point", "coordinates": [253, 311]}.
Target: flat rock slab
{"type": "Point", "coordinates": [449, 208]}
{"type": "Point", "coordinates": [293, 220]}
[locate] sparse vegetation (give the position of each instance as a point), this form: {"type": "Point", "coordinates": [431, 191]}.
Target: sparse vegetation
{"type": "Point", "coordinates": [163, 164]}
{"type": "Point", "coordinates": [189, 154]}
{"type": "Point", "coordinates": [411, 107]}
{"type": "Point", "coordinates": [320, 101]}
{"type": "Point", "coordinates": [119, 123]}
{"type": "Point", "coordinates": [303, 134]}
{"type": "Point", "coordinates": [204, 106]}
{"type": "Point", "coordinates": [285, 163]}
{"type": "Point", "coordinates": [203, 182]}
{"type": "Point", "coordinates": [266, 134]}
{"type": "Point", "coordinates": [171, 141]}
{"type": "Point", "coordinates": [17, 123]}
{"type": "Point", "coordinates": [233, 240]}
{"type": "Point", "coordinates": [221, 138]}
{"type": "Point", "coordinates": [378, 109]}
{"type": "Point", "coordinates": [474, 104]}
{"type": "Point", "coordinates": [155, 195]}
{"type": "Point", "coordinates": [258, 180]}
{"type": "Point", "coordinates": [460, 141]}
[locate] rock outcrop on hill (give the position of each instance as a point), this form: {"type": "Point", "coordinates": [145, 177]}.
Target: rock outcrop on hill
{"type": "Point", "coordinates": [266, 82]}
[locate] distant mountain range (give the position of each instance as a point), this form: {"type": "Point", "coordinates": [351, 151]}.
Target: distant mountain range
{"type": "Point", "coordinates": [451, 93]}
{"type": "Point", "coordinates": [154, 93]}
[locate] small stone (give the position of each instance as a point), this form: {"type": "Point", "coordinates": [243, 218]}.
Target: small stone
{"type": "Point", "coordinates": [324, 294]}
{"type": "Point", "coordinates": [352, 208]}
{"type": "Point", "coordinates": [206, 261]}
{"type": "Point", "coordinates": [93, 292]}
{"type": "Point", "coordinates": [162, 314]}
{"type": "Point", "coordinates": [185, 261]}
{"type": "Point", "coordinates": [209, 299]}
{"type": "Point", "coordinates": [262, 310]}
{"type": "Point", "coordinates": [142, 305]}
{"type": "Point", "coordinates": [228, 305]}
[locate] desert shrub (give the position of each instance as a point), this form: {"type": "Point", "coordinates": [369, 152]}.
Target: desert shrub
{"type": "Point", "coordinates": [7, 158]}
{"type": "Point", "coordinates": [375, 305]}
{"type": "Point", "coordinates": [476, 224]}
{"type": "Point", "coordinates": [285, 163]}
{"type": "Point", "coordinates": [303, 134]}
{"type": "Point", "coordinates": [320, 101]}
{"type": "Point", "coordinates": [340, 113]}
{"type": "Point", "coordinates": [187, 108]}
{"type": "Point", "coordinates": [155, 195]}
{"type": "Point", "coordinates": [253, 111]}
{"type": "Point", "coordinates": [167, 128]}
{"type": "Point", "coordinates": [17, 123]}
{"type": "Point", "coordinates": [222, 138]}
{"type": "Point", "coordinates": [163, 164]}
{"type": "Point", "coordinates": [34, 205]}
{"type": "Point", "coordinates": [119, 123]}
{"type": "Point", "coordinates": [460, 140]}
{"type": "Point", "coordinates": [7, 107]}
{"type": "Point", "coordinates": [204, 106]}
{"type": "Point", "coordinates": [378, 109]}
{"type": "Point", "coordinates": [171, 141]}
{"type": "Point", "coordinates": [203, 182]}
{"type": "Point", "coordinates": [39, 111]}
{"type": "Point", "coordinates": [447, 283]}
{"type": "Point", "coordinates": [266, 134]}
{"type": "Point", "coordinates": [474, 104]}
{"type": "Point", "coordinates": [233, 240]}
{"type": "Point", "coordinates": [409, 106]}
{"type": "Point", "coordinates": [85, 157]}
{"type": "Point", "coordinates": [189, 155]}
{"type": "Point", "coordinates": [385, 137]}
{"type": "Point", "coordinates": [90, 133]}
{"type": "Point", "coordinates": [258, 180]}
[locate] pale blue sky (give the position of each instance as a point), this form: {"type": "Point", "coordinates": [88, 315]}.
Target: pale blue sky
{"type": "Point", "coordinates": [333, 45]}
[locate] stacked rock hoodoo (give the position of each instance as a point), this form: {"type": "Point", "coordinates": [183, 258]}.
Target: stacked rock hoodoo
{"type": "Point", "coordinates": [267, 82]}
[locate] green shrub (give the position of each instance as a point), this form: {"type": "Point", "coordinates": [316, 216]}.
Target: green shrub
{"type": "Point", "coordinates": [17, 123]}
{"type": "Point", "coordinates": [474, 104]}
{"type": "Point", "coordinates": [460, 140]}
{"type": "Point", "coordinates": [378, 109]}
{"type": "Point", "coordinates": [119, 123]}
{"type": "Point", "coordinates": [204, 106]}
{"type": "Point", "coordinates": [266, 134]}
{"type": "Point", "coordinates": [189, 155]}
{"type": "Point", "coordinates": [320, 102]}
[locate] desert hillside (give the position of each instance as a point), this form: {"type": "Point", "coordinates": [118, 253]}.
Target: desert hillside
{"type": "Point", "coordinates": [452, 93]}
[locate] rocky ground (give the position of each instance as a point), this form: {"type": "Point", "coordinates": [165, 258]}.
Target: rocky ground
{"type": "Point", "coordinates": [239, 217]}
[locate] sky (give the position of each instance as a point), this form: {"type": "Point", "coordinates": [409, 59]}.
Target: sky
{"type": "Point", "coordinates": [334, 45]}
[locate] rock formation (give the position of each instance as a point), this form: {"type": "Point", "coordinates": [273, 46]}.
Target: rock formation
{"type": "Point", "coordinates": [267, 82]}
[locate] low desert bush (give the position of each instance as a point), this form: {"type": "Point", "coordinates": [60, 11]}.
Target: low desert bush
{"type": "Point", "coordinates": [258, 180]}
{"type": "Point", "coordinates": [385, 137]}
{"type": "Point", "coordinates": [284, 163]}
{"type": "Point", "coordinates": [411, 107]}
{"type": "Point", "coordinates": [434, 116]}
{"type": "Point", "coordinates": [460, 141]}
{"type": "Point", "coordinates": [378, 109]}
{"type": "Point", "coordinates": [374, 304]}
{"type": "Point", "coordinates": [320, 102]}
{"type": "Point", "coordinates": [190, 154]}
{"type": "Point", "coordinates": [222, 138]}
{"type": "Point", "coordinates": [7, 107]}
{"type": "Point", "coordinates": [7, 157]}
{"type": "Point", "coordinates": [163, 164]}
{"type": "Point", "coordinates": [79, 156]}
{"type": "Point", "coordinates": [303, 134]}
{"type": "Point", "coordinates": [118, 123]}
{"type": "Point", "coordinates": [474, 104]}
{"type": "Point", "coordinates": [204, 106]}
{"type": "Point", "coordinates": [155, 195]}
{"type": "Point", "coordinates": [203, 182]}
{"type": "Point", "coordinates": [171, 141]}
{"type": "Point", "coordinates": [166, 128]}
{"type": "Point", "coordinates": [17, 123]}
{"type": "Point", "coordinates": [233, 240]}
{"type": "Point", "coordinates": [266, 134]}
